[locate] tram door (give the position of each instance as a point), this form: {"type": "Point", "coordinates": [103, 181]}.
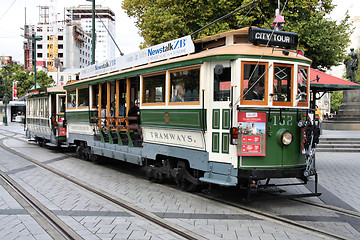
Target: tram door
{"type": "Point", "coordinates": [52, 111]}
{"type": "Point", "coordinates": [219, 112]}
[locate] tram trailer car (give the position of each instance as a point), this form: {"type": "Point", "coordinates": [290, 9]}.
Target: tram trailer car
{"type": "Point", "coordinates": [46, 115]}
{"type": "Point", "coordinates": [225, 109]}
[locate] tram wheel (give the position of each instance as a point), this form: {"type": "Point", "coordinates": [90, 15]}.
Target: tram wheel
{"type": "Point", "coordinates": [79, 151]}
{"type": "Point", "coordinates": [94, 158]}
{"type": "Point", "coordinates": [186, 180]}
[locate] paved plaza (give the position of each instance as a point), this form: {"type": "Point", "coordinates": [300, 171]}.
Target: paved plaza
{"type": "Point", "coordinates": [94, 218]}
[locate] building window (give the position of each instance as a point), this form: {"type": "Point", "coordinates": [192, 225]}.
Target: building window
{"type": "Point", "coordinates": [39, 55]}
{"type": "Point", "coordinates": [39, 46]}
{"type": "Point", "coordinates": [60, 46]}
{"type": "Point", "coordinates": [60, 55]}
{"type": "Point", "coordinates": [60, 38]}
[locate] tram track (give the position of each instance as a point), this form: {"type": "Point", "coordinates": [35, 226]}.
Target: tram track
{"type": "Point", "coordinates": [183, 232]}
{"type": "Point", "coordinates": [56, 228]}
{"type": "Point", "coordinates": [279, 218]}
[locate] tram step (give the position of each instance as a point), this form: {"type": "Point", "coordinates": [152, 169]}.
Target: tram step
{"type": "Point", "coordinates": [344, 145]}
{"type": "Point", "coordinates": [347, 150]}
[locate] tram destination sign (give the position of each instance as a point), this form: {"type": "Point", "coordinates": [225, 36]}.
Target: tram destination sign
{"type": "Point", "coordinates": [175, 48]}
{"type": "Point", "coordinates": [261, 36]}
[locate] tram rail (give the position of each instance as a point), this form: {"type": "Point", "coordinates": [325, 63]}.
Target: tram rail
{"type": "Point", "coordinates": [56, 228]}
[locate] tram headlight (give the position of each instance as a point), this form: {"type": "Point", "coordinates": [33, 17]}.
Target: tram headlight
{"type": "Point", "coordinates": [286, 138]}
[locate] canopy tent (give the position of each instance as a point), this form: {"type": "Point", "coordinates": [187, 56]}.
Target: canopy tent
{"type": "Point", "coordinates": [322, 82]}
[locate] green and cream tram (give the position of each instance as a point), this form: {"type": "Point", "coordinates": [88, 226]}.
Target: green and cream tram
{"type": "Point", "coordinates": [45, 116]}
{"type": "Point", "coordinates": [229, 109]}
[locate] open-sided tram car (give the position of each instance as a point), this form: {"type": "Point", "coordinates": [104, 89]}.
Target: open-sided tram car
{"type": "Point", "coordinates": [229, 109]}
{"type": "Point", "coordinates": [45, 116]}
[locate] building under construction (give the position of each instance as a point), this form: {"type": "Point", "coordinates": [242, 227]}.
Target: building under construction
{"type": "Point", "coordinates": [64, 45]}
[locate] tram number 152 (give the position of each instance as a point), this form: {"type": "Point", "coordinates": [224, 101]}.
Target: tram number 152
{"type": "Point", "coordinates": [286, 120]}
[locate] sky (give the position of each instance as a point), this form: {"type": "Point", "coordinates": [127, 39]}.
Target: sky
{"type": "Point", "coordinates": [12, 19]}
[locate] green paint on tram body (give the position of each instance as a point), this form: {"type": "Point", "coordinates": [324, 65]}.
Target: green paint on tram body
{"type": "Point", "coordinates": [278, 155]}
{"type": "Point", "coordinates": [174, 118]}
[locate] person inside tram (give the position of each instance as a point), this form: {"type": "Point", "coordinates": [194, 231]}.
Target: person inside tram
{"type": "Point", "coordinates": [256, 89]}
{"type": "Point", "coordinates": [134, 111]}
{"type": "Point", "coordinates": [122, 108]}
{"type": "Point", "coordinates": [180, 93]}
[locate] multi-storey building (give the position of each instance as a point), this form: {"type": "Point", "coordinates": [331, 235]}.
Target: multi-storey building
{"type": "Point", "coordinates": [104, 26]}
{"type": "Point", "coordinates": [62, 45]}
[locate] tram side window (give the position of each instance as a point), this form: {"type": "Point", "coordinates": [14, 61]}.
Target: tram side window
{"type": "Point", "coordinates": [46, 108]}
{"type": "Point", "coordinates": [83, 97]}
{"type": "Point", "coordinates": [185, 85]}
{"type": "Point", "coordinates": [254, 82]}
{"type": "Point", "coordinates": [282, 83]}
{"type": "Point", "coordinates": [222, 83]}
{"type": "Point", "coordinates": [154, 89]}
{"type": "Point", "coordinates": [95, 95]}
{"type": "Point", "coordinates": [71, 98]}
{"type": "Point", "coordinates": [61, 105]}
{"type": "Point", "coordinates": [42, 107]}
{"type": "Point", "coordinates": [302, 82]}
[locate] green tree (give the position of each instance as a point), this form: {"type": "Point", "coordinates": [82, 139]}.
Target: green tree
{"type": "Point", "coordinates": [336, 100]}
{"type": "Point", "coordinates": [24, 79]}
{"type": "Point", "coordinates": [323, 40]}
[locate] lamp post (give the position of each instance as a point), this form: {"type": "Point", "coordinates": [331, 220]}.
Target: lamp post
{"type": "Point", "coordinates": [34, 38]}
{"type": "Point", "coordinates": [93, 32]}
{"type": "Point", "coordinates": [5, 99]}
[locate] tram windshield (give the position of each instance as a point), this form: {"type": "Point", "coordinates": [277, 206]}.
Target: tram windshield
{"type": "Point", "coordinates": [282, 84]}
{"type": "Point", "coordinates": [254, 82]}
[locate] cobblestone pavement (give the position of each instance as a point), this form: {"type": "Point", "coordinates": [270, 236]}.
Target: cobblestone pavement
{"type": "Point", "coordinates": [95, 218]}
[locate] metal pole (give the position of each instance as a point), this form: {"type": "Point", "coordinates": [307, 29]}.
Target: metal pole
{"type": "Point", "coordinates": [5, 120]}
{"type": "Point", "coordinates": [5, 99]}
{"type": "Point", "coordinates": [93, 33]}
{"type": "Point", "coordinates": [34, 38]}
{"type": "Point", "coordinates": [34, 62]}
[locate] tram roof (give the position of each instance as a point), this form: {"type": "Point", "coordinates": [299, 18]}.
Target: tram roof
{"type": "Point", "coordinates": [323, 82]}
{"type": "Point", "coordinates": [228, 51]}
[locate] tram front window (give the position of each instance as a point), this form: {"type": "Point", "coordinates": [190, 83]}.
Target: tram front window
{"type": "Point", "coordinates": [282, 84]}
{"type": "Point", "coordinates": [302, 94]}
{"type": "Point", "coordinates": [254, 80]}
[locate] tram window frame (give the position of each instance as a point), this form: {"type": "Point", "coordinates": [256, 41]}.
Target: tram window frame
{"type": "Point", "coordinates": [68, 100]}
{"type": "Point", "coordinates": [46, 107]}
{"type": "Point", "coordinates": [151, 78]}
{"type": "Point", "coordinates": [185, 83]}
{"type": "Point", "coordinates": [42, 108]}
{"type": "Point", "coordinates": [221, 94]}
{"type": "Point", "coordinates": [291, 81]}
{"type": "Point", "coordinates": [265, 76]}
{"type": "Point", "coordinates": [95, 96]}
{"type": "Point", "coordinates": [61, 105]}
{"type": "Point", "coordinates": [78, 100]}
{"type": "Point", "coordinates": [300, 103]}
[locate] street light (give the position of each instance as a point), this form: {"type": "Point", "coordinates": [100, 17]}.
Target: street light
{"type": "Point", "coordinates": [93, 32]}
{"type": "Point", "coordinates": [34, 38]}
{"type": "Point", "coordinates": [5, 99]}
